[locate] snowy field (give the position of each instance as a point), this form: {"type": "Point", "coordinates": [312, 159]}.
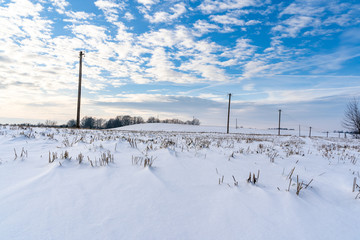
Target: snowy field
{"type": "Point", "coordinates": [159, 181]}
{"type": "Point", "coordinates": [160, 127]}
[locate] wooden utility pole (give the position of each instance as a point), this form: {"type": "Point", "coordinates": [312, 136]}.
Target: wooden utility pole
{"type": "Point", "coordinates": [228, 119]}
{"type": "Point", "coordinates": [299, 131]}
{"type": "Point", "coordinates": [310, 132]}
{"type": "Point", "coordinates": [79, 91]}
{"type": "Point", "coordinates": [279, 121]}
{"type": "Point", "coordinates": [236, 125]}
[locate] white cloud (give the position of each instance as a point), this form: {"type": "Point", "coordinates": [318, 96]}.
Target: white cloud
{"type": "Point", "coordinates": [21, 8]}
{"type": "Point", "coordinates": [128, 16]}
{"type": "Point", "coordinates": [351, 16]}
{"type": "Point", "coordinates": [147, 2]}
{"type": "Point", "coordinates": [227, 20]}
{"type": "Point", "coordinates": [211, 6]}
{"type": "Point", "coordinates": [161, 69]}
{"type": "Point", "coordinates": [253, 68]}
{"type": "Point", "coordinates": [202, 27]}
{"type": "Point", "coordinates": [175, 12]}
{"type": "Point", "coordinates": [139, 98]}
{"type": "Point", "coordinates": [110, 8]}
{"type": "Point", "coordinates": [139, 78]}
{"type": "Point", "coordinates": [78, 17]}
{"type": "Point", "coordinates": [203, 67]}
{"type": "Point", "coordinates": [306, 95]}
{"type": "Point", "coordinates": [180, 37]}
{"type": "Point", "coordinates": [90, 34]}
{"type": "Point", "coordinates": [304, 8]}
{"type": "Point", "coordinates": [243, 50]}
{"type": "Point", "coordinates": [213, 97]}
{"type": "Point", "coordinates": [201, 56]}
{"type": "Point", "coordinates": [162, 37]}
{"type": "Point", "coordinates": [123, 35]}
{"type": "Point", "coordinates": [317, 15]}
{"type": "Point", "coordinates": [249, 87]}
{"type": "Point", "coordinates": [252, 22]}
{"type": "Point", "coordinates": [291, 27]}
{"type": "Point", "coordinates": [60, 5]}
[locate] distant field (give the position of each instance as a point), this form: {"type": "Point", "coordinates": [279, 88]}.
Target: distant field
{"type": "Point", "coordinates": [216, 129]}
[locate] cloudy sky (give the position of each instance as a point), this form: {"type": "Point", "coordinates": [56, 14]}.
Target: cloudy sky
{"type": "Point", "coordinates": [179, 59]}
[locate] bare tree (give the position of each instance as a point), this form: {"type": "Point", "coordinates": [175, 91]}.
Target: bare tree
{"type": "Point", "coordinates": [351, 119]}
{"type": "Point", "coordinates": [50, 123]}
{"type": "Point", "coordinates": [71, 123]}
{"type": "Point", "coordinates": [99, 123]}
{"type": "Point", "coordinates": [87, 122]}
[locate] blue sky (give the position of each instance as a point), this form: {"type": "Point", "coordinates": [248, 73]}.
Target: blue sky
{"type": "Point", "coordinates": [179, 59]}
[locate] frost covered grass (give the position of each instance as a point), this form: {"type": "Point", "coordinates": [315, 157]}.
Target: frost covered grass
{"type": "Point", "coordinates": [142, 184]}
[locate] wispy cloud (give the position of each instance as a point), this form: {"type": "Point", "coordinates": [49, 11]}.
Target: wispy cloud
{"type": "Point", "coordinates": [110, 8]}
{"type": "Point", "coordinates": [211, 6]}
{"type": "Point", "coordinates": [291, 27]}
{"type": "Point", "coordinates": [202, 27]}
{"type": "Point", "coordinates": [227, 20]}
{"type": "Point", "coordinates": [164, 16]}
{"type": "Point", "coordinates": [60, 5]}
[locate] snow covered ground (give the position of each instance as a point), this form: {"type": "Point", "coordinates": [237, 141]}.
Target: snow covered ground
{"type": "Point", "coordinates": [91, 184]}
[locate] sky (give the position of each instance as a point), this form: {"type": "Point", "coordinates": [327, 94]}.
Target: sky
{"type": "Point", "coordinates": [181, 59]}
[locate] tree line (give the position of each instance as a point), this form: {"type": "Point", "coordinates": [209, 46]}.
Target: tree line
{"type": "Point", "coordinates": [120, 121]}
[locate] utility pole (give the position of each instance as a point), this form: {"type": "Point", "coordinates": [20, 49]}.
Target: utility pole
{"type": "Point", "coordinates": [236, 125]}
{"type": "Point", "coordinates": [228, 119]}
{"type": "Point", "coordinates": [310, 132]}
{"type": "Point", "coordinates": [279, 121]}
{"type": "Point", "coordinates": [79, 90]}
{"type": "Point", "coordinates": [299, 130]}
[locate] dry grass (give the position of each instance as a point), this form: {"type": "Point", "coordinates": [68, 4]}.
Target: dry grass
{"type": "Point", "coordinates": [144, 161]}
{"type": "Point", "coordinates": [252, 179]}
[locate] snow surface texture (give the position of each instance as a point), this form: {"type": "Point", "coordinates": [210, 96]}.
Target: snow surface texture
{"type": "Point", "coordinates": [89, 184]}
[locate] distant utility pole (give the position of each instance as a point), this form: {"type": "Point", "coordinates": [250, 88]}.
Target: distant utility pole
{"type": "Point", "coordinates": [228, 119]}
{"type": "Point", "coordinates": [279, 121]}
{"type": "Point", "coordinates": [79, 91]}
{"type": "Point", "coordinates": [236, 126]}
{"type": "Point", "coordinates": [310, 132]}
{"type": "Point", "coordinates": [299, 130]}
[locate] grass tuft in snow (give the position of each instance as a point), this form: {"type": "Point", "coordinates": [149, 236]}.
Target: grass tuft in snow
{"type": "Point", "coordinates": [356, 187]}
{"type": "Point", "coordinates": [52, 157]}
{"type": "Point", "coordinates": [132, 142]}
{"type": "Point", "coordinates": [252, 179]}
{"type": "Point", "coordinates": [144, 161]}
{"type": "Point", "coordinates": [80, 158]}
{"type": "Point", "coordinates": [106, 158]}
{"type": "Point", "coordinates": [23, 154]}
